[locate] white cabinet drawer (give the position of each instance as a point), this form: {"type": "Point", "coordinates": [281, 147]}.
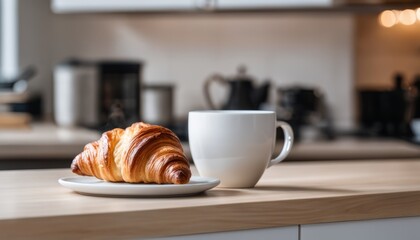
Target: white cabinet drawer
{"type": "Point", "coordinates": [282, 233]}
{"type": "Point", "coordinates": [382, 229]}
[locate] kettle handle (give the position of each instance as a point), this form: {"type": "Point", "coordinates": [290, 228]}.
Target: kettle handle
{"type": "Point", "coordinates": [214, 78]}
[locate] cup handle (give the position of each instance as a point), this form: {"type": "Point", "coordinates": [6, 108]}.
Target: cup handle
{"type": "Point", "coordinates": [288, 142]}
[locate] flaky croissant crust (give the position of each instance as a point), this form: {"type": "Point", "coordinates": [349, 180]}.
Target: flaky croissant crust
{"type": "Point", "coordinates": [141, 153]}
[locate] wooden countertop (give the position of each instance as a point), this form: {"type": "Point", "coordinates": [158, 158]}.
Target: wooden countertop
{"type": "Point", "coordinates": [33, 204]}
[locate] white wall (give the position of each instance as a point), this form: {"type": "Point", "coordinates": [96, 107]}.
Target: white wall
{"type": "Point", "coordinates": [313, 49]}
{"type": "Point", "coordinates": [35, 45]}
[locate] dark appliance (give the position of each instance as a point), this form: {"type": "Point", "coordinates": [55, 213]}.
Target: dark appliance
{"type": "Point", "coordinates": [416, 100]}
{"type": "Point", "coordinates": [302, 107]}
{"type": "Point", "coordinates": [384, 112]}
{"type": "Point", "coordinates": [119, 93]}
{"type": "Point", "coordinates": [243, 94]}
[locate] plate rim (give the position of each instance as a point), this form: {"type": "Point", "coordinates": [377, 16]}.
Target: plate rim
{"type": "Point", "coordinates": [156, 190]}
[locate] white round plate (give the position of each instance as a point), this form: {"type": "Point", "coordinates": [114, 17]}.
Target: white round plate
{"type": "Point", "coordinates": [94, 186]}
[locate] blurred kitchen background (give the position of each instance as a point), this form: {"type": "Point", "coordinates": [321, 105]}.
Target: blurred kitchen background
{"type": "Point", "coordinates": [345, 74]}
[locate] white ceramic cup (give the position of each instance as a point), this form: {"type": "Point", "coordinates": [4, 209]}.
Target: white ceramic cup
{"type": "Point", "coordinates": [235, 146]}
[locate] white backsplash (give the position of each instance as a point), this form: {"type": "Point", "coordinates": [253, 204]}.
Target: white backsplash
{"type": "Point", "coordinates": [311, 49]}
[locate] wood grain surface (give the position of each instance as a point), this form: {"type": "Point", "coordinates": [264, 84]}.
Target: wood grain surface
{"type": "Point", "coordinates": [34, 205]}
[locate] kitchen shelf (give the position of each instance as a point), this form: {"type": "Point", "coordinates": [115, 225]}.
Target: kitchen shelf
{"type": "Point", "coordinates": [223, 6]}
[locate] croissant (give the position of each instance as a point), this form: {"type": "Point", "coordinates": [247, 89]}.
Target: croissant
{"type": "Point", "coordinates": [141, 153]}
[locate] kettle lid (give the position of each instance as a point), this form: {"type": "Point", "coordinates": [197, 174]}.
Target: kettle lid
{"type": "Point", "coordinates": [242, 74]}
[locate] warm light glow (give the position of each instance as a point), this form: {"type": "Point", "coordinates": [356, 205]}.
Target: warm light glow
{"type": "Point", "coordinates": [388, 18]}
{"type": "Point", "coordinates": [418, 14]}
{"type": "Point", "coordinates": [397, 14]}
{"type": "Point", "coordinates": [407, 17]}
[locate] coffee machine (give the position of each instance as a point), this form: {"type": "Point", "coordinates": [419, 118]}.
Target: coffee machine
{"type": "Point", "coordinates": [304, 107]}
{"type": "Point", "coordinates": [119, 95]}
{"type": "Point", "coordinates": [101, 95]}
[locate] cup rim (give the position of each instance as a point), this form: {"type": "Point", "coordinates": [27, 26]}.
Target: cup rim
{"type": "Point", "coordinates": [232, 112]}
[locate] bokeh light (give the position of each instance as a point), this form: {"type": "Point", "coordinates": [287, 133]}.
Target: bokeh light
{"type": "Point", "coordinates": [397, 14]}
{"type": "Point", "coordinates": [407, 17]}
{"type": "Point", "coordinates": [388, 18]}
{"type": "Point", "coordinates": [418, 14]}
